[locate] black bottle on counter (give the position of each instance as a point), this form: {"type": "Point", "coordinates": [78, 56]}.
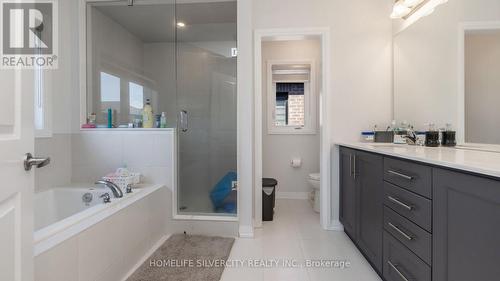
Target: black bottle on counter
{"type": "Point", "coordinates": [432, 138]}
{"type": "Point", "coordinates": [449, 138]}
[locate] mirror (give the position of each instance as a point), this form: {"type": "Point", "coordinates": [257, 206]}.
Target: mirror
{"type": "Point", "coordinates": [131, 61]}
{"type": "Point", "coordinates": [446, 66]}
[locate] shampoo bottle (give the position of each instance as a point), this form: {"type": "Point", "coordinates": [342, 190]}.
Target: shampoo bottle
{"type": "Point", "coordinates": [163, 120]}
{"type": "Point", "coordinates": [147, 115]}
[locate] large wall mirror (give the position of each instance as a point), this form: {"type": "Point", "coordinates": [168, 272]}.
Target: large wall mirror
{"type": "Point", "coordinates": [447, 69]}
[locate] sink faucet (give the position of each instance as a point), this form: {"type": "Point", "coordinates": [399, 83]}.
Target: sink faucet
{"type": "Point", "coordinates": [411, 137]}
{"type": "Point", "coordinates": [117, 192]}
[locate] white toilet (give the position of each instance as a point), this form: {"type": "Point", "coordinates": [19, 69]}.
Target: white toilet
{"type": "Point", "coordinates": [314, 180]}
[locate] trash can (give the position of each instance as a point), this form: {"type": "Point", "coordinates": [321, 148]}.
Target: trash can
{"type": "Point", "coordinates": [268, 198]}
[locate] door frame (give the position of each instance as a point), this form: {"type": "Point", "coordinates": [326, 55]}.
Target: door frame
{"type": "Point", "coordinates": [325, 96]}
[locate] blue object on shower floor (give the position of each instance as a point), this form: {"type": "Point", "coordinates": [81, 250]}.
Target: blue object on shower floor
{"type": "Point", "coordinates": [222, 195]}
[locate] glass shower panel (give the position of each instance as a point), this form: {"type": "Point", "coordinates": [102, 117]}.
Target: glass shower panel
{"type": "Point", "coordinates": [206, 101]}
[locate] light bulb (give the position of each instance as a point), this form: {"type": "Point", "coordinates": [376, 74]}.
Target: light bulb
{"type": "Point", "coordinates": [400, 10]}
{"type": "Point", "coordinates": [181, 24]}
{"type": "Point", "coordinates": [412, 3]}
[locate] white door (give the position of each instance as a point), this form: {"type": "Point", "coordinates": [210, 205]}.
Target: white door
{"type": "Point", "coordinates": [16, 184]}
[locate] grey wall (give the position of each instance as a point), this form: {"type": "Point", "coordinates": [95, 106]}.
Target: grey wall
{"type": "Point", "coordinates": [482, 87]}
{"type": "Point", "coordinates": [278, 150]}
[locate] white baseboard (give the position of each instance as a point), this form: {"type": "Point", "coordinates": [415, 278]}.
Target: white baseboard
{"type": "Point", "coordinates": [246, 232]}
{"type": "Point", "coordinates": [292, 195]}
{"type": "Point", "coordinates": [155, 247]}
{"type": "Point", "coordinates": [335, 226]}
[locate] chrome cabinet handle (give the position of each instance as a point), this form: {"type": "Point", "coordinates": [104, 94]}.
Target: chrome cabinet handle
{"type": "Point", "coordinates": [350, 164]}
{"type": "Point", "coordinates": [184, 120]}
{"type": "Point", "coordinates": [354, 172]}
{"type": "Point", "coordinates": [30, 161]}
{"type": "Point", "coordinates": [404, 205]}
{"type": "Point", "coordinates": [400, 231]}
{"type": "Point", "coordinates": [397, 271]}
{"type": "Point", "coordinates": [400, 175]}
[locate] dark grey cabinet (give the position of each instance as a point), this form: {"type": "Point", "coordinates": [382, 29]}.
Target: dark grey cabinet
{"type": "Point", "coordinates": [370, 189]}
{"type": "Point", "coordinates": [466, 227]}
{"type": "Point", "coordinates": [347, 191]}
{"type": "Point", "coordinates": [412, 220]}
{"type": "Point", "coordinates": [361, 212]}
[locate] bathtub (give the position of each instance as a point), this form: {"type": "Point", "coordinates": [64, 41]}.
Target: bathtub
{"type": "Point", "coordinates": [61, 213]}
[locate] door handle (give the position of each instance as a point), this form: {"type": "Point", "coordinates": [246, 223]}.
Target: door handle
{"type": "Point", "coordinates": [30, 161]}
{"type": "Point", "coordinates": [184, 122]}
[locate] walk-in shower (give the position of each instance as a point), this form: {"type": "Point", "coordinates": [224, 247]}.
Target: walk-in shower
{"type": "Point", "coordinates": [181, 57]}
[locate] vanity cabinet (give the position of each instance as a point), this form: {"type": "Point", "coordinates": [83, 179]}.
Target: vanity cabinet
{"type": "Point", "coordinates": [417, 221]}
{"type": "Point", "coordinates": [361, 194]}
{"type": "Point", "coordinates": [466, 227]}
{"type": "Point", "coordinates": [348, 191]}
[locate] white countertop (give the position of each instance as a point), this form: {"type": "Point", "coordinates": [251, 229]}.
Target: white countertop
{"type": "Point", "coordinates": [476, 161]}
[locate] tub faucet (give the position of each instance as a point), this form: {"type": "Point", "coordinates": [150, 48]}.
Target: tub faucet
{"type": "Point", "coordinates": [117, 192]}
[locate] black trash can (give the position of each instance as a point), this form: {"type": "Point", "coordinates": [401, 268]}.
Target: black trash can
{"type": "Point", "coordinates": [268, 198]}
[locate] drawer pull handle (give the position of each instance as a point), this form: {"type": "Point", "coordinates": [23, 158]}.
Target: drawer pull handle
{"type": "Point", "coordinates": [400, 175]}
{"type": "Point", "coordinates": [398, 271]}
{"type": "Point", "coordinates": [404, 205]}
{"type": "Point", "coordinates": [400, 231]}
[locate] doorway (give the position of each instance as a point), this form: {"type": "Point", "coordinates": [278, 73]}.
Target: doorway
{"type": "Point", "coordinates": [322, 35]}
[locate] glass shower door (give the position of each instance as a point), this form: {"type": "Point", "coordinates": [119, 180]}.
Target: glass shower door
{"type": "Point", "coordinates": [207, 104]}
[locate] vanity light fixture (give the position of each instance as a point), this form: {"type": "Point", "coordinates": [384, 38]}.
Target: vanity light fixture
{"type": "Point", "coordinates": [181, 24]}
{"type": "Point", "coordinates": [404, 9]}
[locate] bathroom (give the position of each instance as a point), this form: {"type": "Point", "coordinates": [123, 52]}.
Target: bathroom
{"type": "Point", "coordinates": [153, 125]}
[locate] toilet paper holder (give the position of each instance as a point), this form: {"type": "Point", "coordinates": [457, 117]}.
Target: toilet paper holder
{"type": "Point", "coordinates": [296, 162]}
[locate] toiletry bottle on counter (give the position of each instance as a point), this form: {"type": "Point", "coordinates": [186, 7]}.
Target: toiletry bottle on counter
{"type": "Point", "coordinates": [163, 120]}
{"type": "Point", "coordinates": [110, 118]}
{"type": "Point", "coordinates": [147, 115]}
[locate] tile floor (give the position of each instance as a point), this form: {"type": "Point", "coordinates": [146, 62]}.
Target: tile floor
{"type": "Point", "coordinates": [296, 235]}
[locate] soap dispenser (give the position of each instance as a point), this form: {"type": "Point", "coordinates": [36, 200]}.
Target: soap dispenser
{"type": "Point", "coordinates": [449, 137]}
{"type": "Point", "coordinates": [147, 115]}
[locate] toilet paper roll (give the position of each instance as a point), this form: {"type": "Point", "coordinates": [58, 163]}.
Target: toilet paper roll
{"type": "Point", "coordinates": [296, 162]}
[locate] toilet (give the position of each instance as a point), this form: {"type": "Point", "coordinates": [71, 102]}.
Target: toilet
{"type": "Point", "coordinates": [314, 180]}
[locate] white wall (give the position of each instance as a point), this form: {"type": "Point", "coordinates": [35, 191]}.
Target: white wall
{"type": "Point", "coordinates": [361, 52]}
{"type": "Point", "coordinates": [482, 87]}
{"type": "Point", "coordinates": [426, 62]}
{"type": "Point", "coordinates": [63, 86]}
{"type": "Point", "coordinates": [159, 65]}
{"type": "Point", "coordinates": [278, 150]}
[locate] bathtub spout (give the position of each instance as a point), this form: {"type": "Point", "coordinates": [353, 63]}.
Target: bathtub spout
{"type": "Point", "coordinates": [117, 192]}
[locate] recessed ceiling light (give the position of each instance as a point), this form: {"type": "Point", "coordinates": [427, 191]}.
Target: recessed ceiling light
{"type": "Point", "coordinates": [181, 24]}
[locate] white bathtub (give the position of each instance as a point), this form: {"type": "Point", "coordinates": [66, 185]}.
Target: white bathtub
{"type": "Point", "coordinates": [60, 213]}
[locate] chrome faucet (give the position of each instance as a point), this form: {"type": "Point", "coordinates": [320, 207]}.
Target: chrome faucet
{"type": "Point", "coordinates": [117, 192]}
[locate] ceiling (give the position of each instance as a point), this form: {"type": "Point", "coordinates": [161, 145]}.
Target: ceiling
{"type": "Point", "coordinates": [154, 23]}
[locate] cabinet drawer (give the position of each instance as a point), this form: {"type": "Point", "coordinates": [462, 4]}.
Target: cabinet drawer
{"type": "Point", "coordinates": [414, 177]}
{"type": "Point", "coordinates": [400, 264]}
{"type": "Point", "coordinates": [412, 236]}
{"type": "Point", "coordinates": [410, 205]}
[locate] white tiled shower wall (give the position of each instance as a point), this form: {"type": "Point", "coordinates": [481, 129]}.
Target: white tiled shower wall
{"type": "Point", "coordinates": [150, 153]}
{"type": "Point", "coordinates": [88, 156]}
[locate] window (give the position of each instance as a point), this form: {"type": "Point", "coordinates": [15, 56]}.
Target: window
{"type": "Point", "coordinates": [136, 98]}
{"type": "Point", "coordinates": [291, 98]}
